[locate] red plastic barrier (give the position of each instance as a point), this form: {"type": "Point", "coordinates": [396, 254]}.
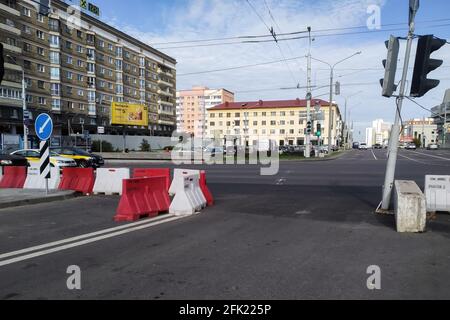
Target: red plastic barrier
{"type": "Point", "coordinates": [142, 197]}
{"type": "Point", "coordinates": [153, 172]}
{"type": "Point", "coordinates": [78, 179]}
{"type": "Point", "coordinates": [13, 177]}
{"type": "Point", "coordinates": [203, 186]}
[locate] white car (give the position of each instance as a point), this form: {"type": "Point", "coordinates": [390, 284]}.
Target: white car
{"type": "Point", "coordinates": [56, 160]}
{"type": "Point", "coordinates": [433, 146]}
{"type": "Point", "coordinates": [362, 146]}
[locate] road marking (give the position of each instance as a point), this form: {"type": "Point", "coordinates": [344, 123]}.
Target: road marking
{"type": "Point", "coordinates": [84, 242]}
{"type": "Point", "coordinates": [81, 237]}
{"type": "Point", "coordinates": [374, 155]}
{"type": "Point", "coordinates": [412, 159]}
{"type": "Point", "coordinates": [432, 156]}
{"type": "Point", "coordinates": [281, 181]}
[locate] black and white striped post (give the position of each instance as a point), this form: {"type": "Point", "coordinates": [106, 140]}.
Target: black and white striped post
{"type": "Point", "coordinates": [44, 162]}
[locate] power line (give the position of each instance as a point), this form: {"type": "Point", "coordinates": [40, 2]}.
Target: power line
{"type": "Point", "coordinates": [274, 39]}
{"type": "Point", "coordinates": [296, 32]}
{"type": "Point", "coordinates": [239, 67]}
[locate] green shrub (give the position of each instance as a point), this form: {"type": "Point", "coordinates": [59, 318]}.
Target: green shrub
{"type": "Point", "coordinates": [106, 146]}
{"type": "Point", "coordinates": [145, 146]}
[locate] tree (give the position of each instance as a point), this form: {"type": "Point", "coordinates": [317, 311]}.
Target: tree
{"type": "Point", "coordinates": [145, 146]}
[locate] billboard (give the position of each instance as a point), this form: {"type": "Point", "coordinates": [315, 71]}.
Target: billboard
{"type": "Point", "coordinates": [129, 114]}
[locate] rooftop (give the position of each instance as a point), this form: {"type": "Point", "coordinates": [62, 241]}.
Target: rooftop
{"type": "Point", "coordinates": [270, 104]}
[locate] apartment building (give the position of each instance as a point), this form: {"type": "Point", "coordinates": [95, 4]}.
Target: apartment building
{"type": "Point", "coordinates": [192, 106]}
{"type": "Point", "coordinates": [283, 121]}
{"type": "Point", "coordinates": [75, 68]}
{"type": "Point", "coordinates": [379, 133]}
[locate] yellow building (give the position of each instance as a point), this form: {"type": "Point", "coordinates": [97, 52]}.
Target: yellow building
{"type": "Point", "coordinates": [284, 121]}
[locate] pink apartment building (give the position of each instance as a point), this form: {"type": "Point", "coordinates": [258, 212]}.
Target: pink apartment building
{"type": "Point", "coordinates": [192, 105]}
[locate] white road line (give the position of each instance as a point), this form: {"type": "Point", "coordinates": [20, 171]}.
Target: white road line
{"type": "Point", "coordinates": [374, 155]}
{"type": "Point", "coordinates": [81, 237]}
{"type": "Point", "coordinates": [432, 156]}
{"type": "Point", "coordinates": [411, 159]}
{"type": "Point", "coordinates": [84, 242]}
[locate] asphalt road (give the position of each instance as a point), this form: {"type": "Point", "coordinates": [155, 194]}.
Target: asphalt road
{"type": "Point", "coordinates": [309, 232]}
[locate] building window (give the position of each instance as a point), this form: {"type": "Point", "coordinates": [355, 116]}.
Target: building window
{"type": "Point", "coordinates": [40, 18]}
{"type": "Point", "coordinates": [273, 123]}
{"type": "Point", "coordinates": [69, 75]}
{"type": "Point", "coordinates": [40, 34]}
{"type": "Point", "coordinates": [68, 45]}
{"type": "Point", "coordinates": [81, 106]}
{"type": "Point", "coordinates": [79, 34]}
{"type": "Point", "coordinates": [54, 57]}
{"type": "Point", "coordinates": [41, 84]}
{"type": "Point", "coordinates": [27, 47]}
{"type": "Point", "coordinates": [42, 100]}
{"type": "Point", "coordinates": [80, 63]}
{"type": "Point", "coordinates": [54, 73]}
{"type": "Point", "coordinates": [79, 49]}
{"type": "Point", "coordinates": [41, 68]}
{"type": "Point", "coordinates": [69, 60]}
{"type": "Point", "coordinates": [55, 89]}
{"type": "Point", "coordinates": [26, 12]}
{"type": "Point", "coordinates": [54, 40]}
{"type": "Point", "coordinates": [80, 92]}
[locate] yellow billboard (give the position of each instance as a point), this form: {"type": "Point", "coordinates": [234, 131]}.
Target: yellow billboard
{"type": "Point", "coordinates": [129, 114]}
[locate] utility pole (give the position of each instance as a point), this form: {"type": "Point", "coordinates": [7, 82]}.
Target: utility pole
{"type": "Point", "coordinates": [395, 134]}
{"type": "Point", "coordinates": [308, 98]}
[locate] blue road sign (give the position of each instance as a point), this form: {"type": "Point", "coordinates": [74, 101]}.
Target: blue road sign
{"type": "Point", "coordinates": [43, 126]}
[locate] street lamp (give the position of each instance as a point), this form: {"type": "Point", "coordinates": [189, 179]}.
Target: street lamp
{"type": "Point", "coordinates": [24, 103]}
{"type": "Point", "coordinates": [345, 118]}
{"type": "Point", "coordinates": [330, 112]}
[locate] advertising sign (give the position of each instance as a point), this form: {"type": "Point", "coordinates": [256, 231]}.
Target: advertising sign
{"type": "Point", "coordinates": [129, 114]}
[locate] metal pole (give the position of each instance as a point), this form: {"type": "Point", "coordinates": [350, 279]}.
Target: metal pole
{"type": "Point", "coordinates": [330, 112]}
{"type": "Point", "coordinates": [445, 130]}
{"type": "Point", "coordinates": [308, 98]}
{"type": "Point", "coordinates": [24, 101]}
{"type": "Point", "coordinates": [395, 134]}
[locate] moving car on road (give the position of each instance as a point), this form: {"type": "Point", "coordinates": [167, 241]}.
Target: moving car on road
{"type": "Point", "coordinates": [411, 146]}
{"type": "Point", "coordinates": [83, 158]}
{"type": "Point", "coordinates": [362, 146]}
{"type": "Point", "coordinates": [432, 146]}
{"type": "Point", "coordinates": [12, 160]}
{"type": "Point", "coordinates": [33, 157]}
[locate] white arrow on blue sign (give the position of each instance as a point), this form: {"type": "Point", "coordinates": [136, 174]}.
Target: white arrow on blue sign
{"type": "Point", "coordinates": [43, 126]}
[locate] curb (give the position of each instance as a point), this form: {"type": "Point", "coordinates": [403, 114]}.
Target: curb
{"type": "Point", "coordinates": [26, 202]}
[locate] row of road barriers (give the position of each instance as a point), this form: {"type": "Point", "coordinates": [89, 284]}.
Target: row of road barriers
{"type": "Point", "coordinates": [144, 192]}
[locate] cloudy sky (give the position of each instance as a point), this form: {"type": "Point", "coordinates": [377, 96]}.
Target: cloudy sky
{"type": "Point", "coordinates": [162, 22]}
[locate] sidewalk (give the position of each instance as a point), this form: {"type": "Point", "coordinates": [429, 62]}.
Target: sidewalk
{"type": "Point", "coordinates": [21, 197]}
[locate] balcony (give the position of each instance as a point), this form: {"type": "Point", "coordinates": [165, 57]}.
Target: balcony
{"type": "Point", "coordinates": [165, 93]}
{"type": "Point", "coordinates": [92, 112]}
{"type": "Point", "coordinates": [166, 103]}
{"type": "Point", "coordinates": [9, 9]}
{"type": "Point", "coordinates": [12, 48]}
{"type": "Point", "coordinates": [161, 71]}
{"type": "Point", "coordinates": [165, 83]}
{"type": "Point", "coordinates": [10, 28]}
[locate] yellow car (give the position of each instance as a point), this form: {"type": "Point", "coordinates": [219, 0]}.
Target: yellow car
{"type": "Point", "coordinates": [33, 157]}
{"type": "Point", "coordinates": [83, 158]}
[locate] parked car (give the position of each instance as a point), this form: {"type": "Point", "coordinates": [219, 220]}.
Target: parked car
{"type": "Point", "coordinates": [355, 145]}
{"type": "Point", "coordinates": [12, 160]}
{"type": "Point", "coordinates": [433, 146]}
{"type": "Point", "coordinates": [411, 146]}
{"type": "Point", "coordinates": [378, 146]}
{"type": "Point", "coordinates": [83, 158]}
{"type": "Point", "coordinates": [363, 146]}
{"type": "Point", "coordinates": [33, 157]}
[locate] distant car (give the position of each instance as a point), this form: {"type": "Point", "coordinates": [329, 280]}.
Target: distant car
{"type": "Point", "coordinates": [362, 146]}
{"type": "Point", "coordinates": [33, 157]}
{"type": "Point", "coordinates": [83, 158]}
{"type": "Point", "coordinates": [411, 146]}
{"type": "Point", "coordinates": [378, 146]}
{"type": "Point", "coordinates": [432, 146]}
{"type": "Point", "coordinates": [7, 160]}
{"type": "Point", "coordinates": [355, 145]}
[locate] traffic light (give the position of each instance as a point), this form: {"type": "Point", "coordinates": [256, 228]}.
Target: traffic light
{"type": "Point", "coordinates": [308, 127]}
{"type": "Point", "coordinates": [338, 88]}
{"type": "Point", "coordinates": [390, 65]}
{"type": "Point", "coordinates": [424, 65]}
{"type": "Point", "coordinates": [319, 130]}
{"type": "Point", "coordinates": [2, 64]}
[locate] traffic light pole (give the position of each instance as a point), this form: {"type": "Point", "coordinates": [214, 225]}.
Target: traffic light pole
{"type": "Point", "coordinates": [308, 102]}
{"type": "Point", "coordinates": [395, 134]}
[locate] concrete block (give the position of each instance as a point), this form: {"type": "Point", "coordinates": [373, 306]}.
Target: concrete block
{"type": "Point", "coordinates": [410, 207]}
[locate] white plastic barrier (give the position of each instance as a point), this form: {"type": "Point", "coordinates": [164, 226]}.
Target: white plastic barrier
{"type": "Point", "coordinates": [185, 202]}
{"type": "Point", "coordinates": [437, 192]}
{"type": "Point", "coordinates": [109, 181]}
{"type": "Point", "coordinates": [178, 184]}
{"type": "Point", "coordinates": [35, 181]}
